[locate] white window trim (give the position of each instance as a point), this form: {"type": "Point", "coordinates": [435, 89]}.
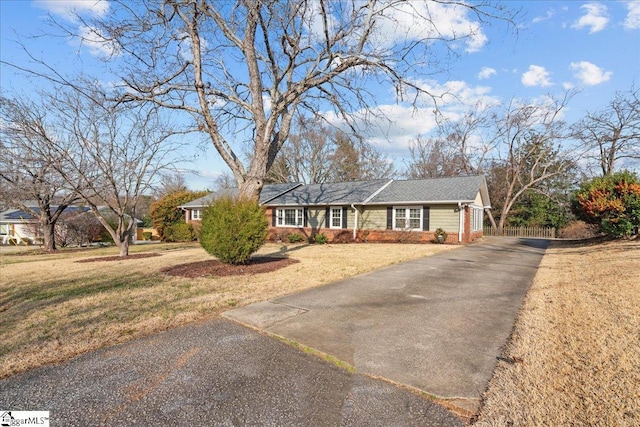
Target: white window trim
{"type": "Point", "coordinates": [331, 209]}
{"type": "Point", "coordinates": [408, 217]}
{"type": "Point", "coordinates": [196, 214]}
{"type": "Point", "coordinates": [477, 218]}
{"type": "Point", "coordinates": [280, 215]}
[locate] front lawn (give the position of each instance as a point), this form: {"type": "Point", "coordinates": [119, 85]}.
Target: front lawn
{"type": "Point", "coordinates": [53, 308]}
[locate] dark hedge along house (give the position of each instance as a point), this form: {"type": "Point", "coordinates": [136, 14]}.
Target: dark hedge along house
{"type": "Point", "coordinates": [372, 211]}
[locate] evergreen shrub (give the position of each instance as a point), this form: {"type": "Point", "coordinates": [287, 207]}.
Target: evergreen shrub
{"type": "Point", "coordinates": [233, 229]}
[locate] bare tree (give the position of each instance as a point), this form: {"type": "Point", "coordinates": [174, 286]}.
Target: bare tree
{"type": "Point", "coordinates": [225, 185]}
{"type": "Point", "coordinates": [461, 148]}
{"type": "Point", "coordinates": [612, 134]}
{"type": "Point", "coordinates": [306, 157]}
{"type": "Point", "coordinates": [112, 155]}
{"type": "Point", "coordinates": [470, 139]}
{"type": "Point", "coordinates": [170, 182]}
{"type": "Point", "coordinates": [432, 158]}
{"type": "Point", "coordinates": [29, 179]}
{"type": "Point", "coordinates": [528, 152]}
{"type": "Point", "coordinates": [243, 69]}
{"type": "Point", "coordinates": [317, 153]}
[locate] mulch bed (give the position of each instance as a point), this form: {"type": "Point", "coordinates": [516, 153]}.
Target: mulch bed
{"type": "Point", "coordinates": [216, 268]}
{"type": "Point", "coordinates": [119, 258]}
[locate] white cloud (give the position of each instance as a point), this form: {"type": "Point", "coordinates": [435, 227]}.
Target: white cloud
{"type": "Point", "coordinates": [403, 122]}
{"type": "Point", "coordinates": [536, 76]}
{"type": "Point", "coordinates": [428, 21]}
{"type": "Point", "coordinates": [453, 95]}
{"type": "Point", "coordinates": [596, 18]}
{"type": "Point", "coordinates": [69, 8]}
{"type": "Point", "coordinates": [590, 74]}
{"type": "Point", "coordinates": [486, 72]}
{"type": "Point", "coordinates": [549, 15]}
{"type": "Point", "coordinates": [632, 22]}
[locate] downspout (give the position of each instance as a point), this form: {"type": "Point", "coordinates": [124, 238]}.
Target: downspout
{"type": "Point", "coordinates": [355, 225]}
{"type": "Point", "coordinates": [460, 221]}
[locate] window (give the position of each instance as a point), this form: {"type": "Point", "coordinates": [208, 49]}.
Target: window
{"type": "Point", "coordinates": [195, 214]}
{"type": "Point", "coordinates": [407, 218]}
{"type": "Point", "coordinates": [336, 218]}
{"type": "Point", "coordinates": [477, 219]}
{"type": "Point", "coordinates": [290, 217]}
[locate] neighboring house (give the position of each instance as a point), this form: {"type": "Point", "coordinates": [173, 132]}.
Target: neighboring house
{"type": "Point", "coordinates": [373, 211]}
{"type": "Point", "coordinates": [19, 225]}
{"type": "Point", "coordinates": [22, 227]}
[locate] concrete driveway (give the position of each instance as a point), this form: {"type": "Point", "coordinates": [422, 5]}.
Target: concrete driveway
{"type": "Point", "coordinates": [437, 324]}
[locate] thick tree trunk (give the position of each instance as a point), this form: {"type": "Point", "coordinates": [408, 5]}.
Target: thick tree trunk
{"type": "Point", "coordinates": [124, 247]}
{"type": "Point", "coordinates": [49, 236]}
{"type": "Point", "coordinates": [251, 188]}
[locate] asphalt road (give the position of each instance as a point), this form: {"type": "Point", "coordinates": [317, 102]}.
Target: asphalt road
{"type": "Point", "coordinates": [214, 373]}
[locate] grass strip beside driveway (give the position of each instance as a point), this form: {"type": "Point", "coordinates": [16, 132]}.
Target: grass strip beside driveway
{"type": "Point", "coordinates": [574, 356]}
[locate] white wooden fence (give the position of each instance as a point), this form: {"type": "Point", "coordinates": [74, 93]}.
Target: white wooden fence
{"type": "Point", "coordinates": [539, 232]}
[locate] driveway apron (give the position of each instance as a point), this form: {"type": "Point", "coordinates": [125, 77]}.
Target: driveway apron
{"type": "Point", "coordinates": [214, 373]}
{"type": "Point", "coordinates": [437, 324]}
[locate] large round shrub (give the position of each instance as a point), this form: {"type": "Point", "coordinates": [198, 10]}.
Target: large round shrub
{"type": "Point", "coordinates": [233, 229]}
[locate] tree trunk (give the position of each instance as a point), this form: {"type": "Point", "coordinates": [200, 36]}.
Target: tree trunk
{"type": "Point", "coordinates": [124, 247]}
{"type": "Point", "coordinates": [492, 220]}
{"type": "Point", "coordinates": [49, 236]}
{"type": "Point", "coordinates": [250, 188]}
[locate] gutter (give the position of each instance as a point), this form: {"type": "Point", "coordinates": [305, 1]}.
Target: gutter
{"type": "Point", "coordinates": [355, 225]}
{"type": "Point", "coordinates": [460, 221]}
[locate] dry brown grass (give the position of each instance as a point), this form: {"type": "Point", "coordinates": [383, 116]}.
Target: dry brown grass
{"type": "Point", "coordinates": [576, 344]}
{"type": "Point", "coordinates": [53, 308]}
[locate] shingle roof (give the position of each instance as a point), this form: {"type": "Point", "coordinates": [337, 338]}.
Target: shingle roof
{"type": "Point", "coordinates": [19, 214]}
{"type": "Point", "coordinates": [454, 189]}
{"type": "Point", "coordinates": [269, 191]}
{"type": "Point", "coordinates": [341, 193]}
{"type": "Point", "coordinates": [377, 192]}
{"type": "Point", "coordinates": [201, 202]}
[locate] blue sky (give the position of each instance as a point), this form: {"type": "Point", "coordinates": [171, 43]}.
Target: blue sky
{"type": "Point", "coordinates": [593, 47]}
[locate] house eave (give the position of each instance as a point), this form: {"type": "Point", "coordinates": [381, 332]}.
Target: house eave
{"type": "Point", "coordinates": [419, 202]}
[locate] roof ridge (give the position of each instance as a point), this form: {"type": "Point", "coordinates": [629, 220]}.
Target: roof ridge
{"type": "Point", "coordinates": [440, 178]}
{"type": "Point", "coordinates": [375, 193]}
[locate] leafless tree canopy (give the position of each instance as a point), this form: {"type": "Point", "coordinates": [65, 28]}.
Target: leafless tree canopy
{"type": "Point", "coordinates": [612, 135]}
{"type": "Point", "coordinates": [521, 146]}
{"type": "Point", "coordinates": [317, 153]}
{"type": "Point", "coordinates": [529, 152]}
{"type": "Point", "coordinates": [28, 177]}
{"type": "Point", "coordinates": [69, 147]}
{"type": "Point", "coordinates": [242, 69]}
